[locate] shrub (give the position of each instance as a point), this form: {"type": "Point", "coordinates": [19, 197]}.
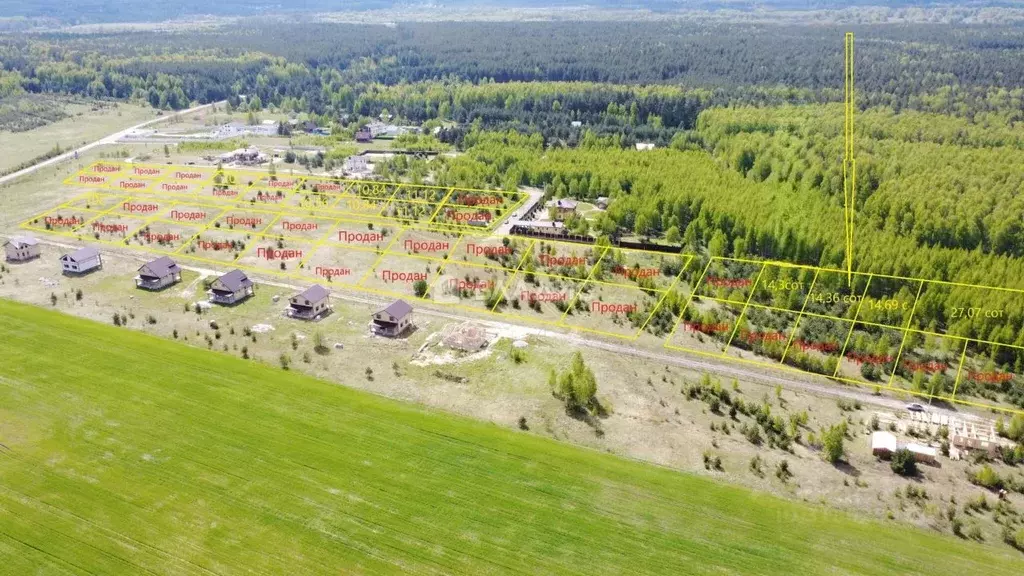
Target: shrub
{"type": "Point", "coordinates": [175, 333]}
{"type": "Point", "coordinates": [150, 319]}
{"type": "Point", "coordinates": [832, 442]}
{"type": "Point", "coordinates": [53, 299]}
{"type": "Point", "coordinates": [715, 405]}
{"type": "Point", "coordinates": [306, 357]}
{"type": "Point", "coordinates": [1018, 540]}
{"type": "Point", "coordinates": [958, 527]}
{"type": "Point", "coordinates": [903, 463]}
{"type": "Point", "coordinates": [782, 471]}
{"type": "Point", "coordinates": [712, 461]}
{"type": "Point", "coordinates": [78, 294]}
{"type": "Point", "coordinates": [319, 343]}
{"type": "Point", "coordinates": [285, 360]}
{"type": "Point", "coordinates": [522, 423]}
{"type": "Point", "coordinates": [986, 477]}
{"type": "Point", "coordinates": [974, 532]}
{"type": "Point", "coordinates": [518, 356]}
{"type": "Point", "coordinates": [420, 288]}
{"type": "Point", "coordinates": [757, 466]}
{"type": "Point", "coordinates": [117, 319]}
{"type": "Point", "coordinates": [245, 352]}
{"type": "Point", "coordinates": [753, 434]}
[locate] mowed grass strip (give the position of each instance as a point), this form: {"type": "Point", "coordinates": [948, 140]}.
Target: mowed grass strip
{"type": "Point", "coordinates": [127, 454]}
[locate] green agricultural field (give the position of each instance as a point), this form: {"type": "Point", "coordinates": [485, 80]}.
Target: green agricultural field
{"type": "Point", "coordinates": [127, 454]}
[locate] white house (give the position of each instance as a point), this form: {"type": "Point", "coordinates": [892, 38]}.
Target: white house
{"type": "Point", "coordinates": [81, 261]}
{"type": "Point", "coordinates": [21, 248]}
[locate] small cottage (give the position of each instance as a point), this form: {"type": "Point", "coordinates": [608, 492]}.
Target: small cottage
{"type": "Point", "coordinates": [231, 288]}
{"type": "Point", "coordinates": [81, 261]}
{"type": "Point", "coordinates": [310, 304]}
{"type": "Point", "coordinates": [158, 274]}
{"type": "Point", "coordinates": [561, 208]}
{"type": "Point", "coordinates": [392, 321]}
{"type": "Point", "coordinates": [21, 248]}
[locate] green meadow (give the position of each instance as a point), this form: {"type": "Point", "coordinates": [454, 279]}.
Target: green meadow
{"type": "Point", "coordinates": [127, 454]}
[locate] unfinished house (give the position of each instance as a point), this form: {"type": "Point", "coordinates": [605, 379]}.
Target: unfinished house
{"type": "Point", "coordinates": [392, 321]}
{"type": "Point", "coordinates": [21, 249]}
{"type": "Point", "coordinates": [81, 261]}
{"type": "Point", "coordinates": [231, 288]}
{"type": "Point", "coordinates": [310, 304]}
{"type": "Point", "coordinates": [158, 274]}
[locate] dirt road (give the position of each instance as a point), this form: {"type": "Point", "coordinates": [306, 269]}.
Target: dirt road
{"type": "Point", "coordinates": [111, 139]}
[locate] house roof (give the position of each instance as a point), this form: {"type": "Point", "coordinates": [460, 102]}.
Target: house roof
{"type": "Point", "coordinates": [235, 280]}
{"type": "Point", "coordinates": [22, 241]}
{"type": "Point", "coordinates": [161, 267]}
{"type": "Point", "coordinates": [883, 440]}
{"type": "Point", "coordinates": [314, 293]}
{"type": "Point", "coordinates": [82, 254]}
{"type": "Point", "coordinates": [398, 309]}
{"type": "Point", "coordinates": [922, 449]}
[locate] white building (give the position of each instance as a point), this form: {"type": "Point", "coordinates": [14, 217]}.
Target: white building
{"type": "Point", "coordinates": [922, 453]}
{"type": "Point", "coordinates": [883, 444]}
{"type": "Point", "coordinates": [81, 261]}
{"type": "Point", "coordinates": [358, 166]}
{"type": "Point", "coordinates": [21, 248]}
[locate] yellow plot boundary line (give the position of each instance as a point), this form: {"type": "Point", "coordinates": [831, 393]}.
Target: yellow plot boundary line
{"type": "Point", "coordinates": [906, 332]}
{"type": "Point", "coordinates": [383, 253]}
{"type": "Point", "coordinates": [849, 160]}
{"type": "Point", "coordinates": [959, 370]}
{"type": "Point", "coordinates": [743, 312]}
{"type": "Point", "coordinates": [294, 276]}
{"type": "Point", "coordinates": [796, 325]}
{"type": "Point", "coordinates": [682, 311]}
{"type": "Point", "coordinates": [504, 290]}
{"type": "Point", "coordinates": [279, 211]}
{"type": "Point", "coordinates": [443, 268]}
{"type": "Point", "coordinates": [853, 324]}
{"type": "Point", "coordinates": [664, 297]}
{"type": "Point", "coordinates": [579, 290]}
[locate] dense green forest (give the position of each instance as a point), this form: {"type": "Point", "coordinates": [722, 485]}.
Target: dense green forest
{"type": "Point", "coordinates": [316, 60]}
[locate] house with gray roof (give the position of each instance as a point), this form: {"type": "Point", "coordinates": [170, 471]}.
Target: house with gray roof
{"type": "Point", "coordinates": [561, 208]}
{"type": "Point", "coordinates": [21, 248]}
{"type": "Point", "coordinates": [392, 321]}
{"type": "Point", "coordinates": [310, 304]}
{"type": "Point", "coordinates": [81, 261]}
{"type": "Point", "coordinates": [231, 288]}
{"type": "Point", "coordinates": [158, 274]}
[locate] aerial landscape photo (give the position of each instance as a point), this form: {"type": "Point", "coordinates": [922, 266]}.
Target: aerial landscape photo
{"type": "Point", "coordinates": [467, 287]}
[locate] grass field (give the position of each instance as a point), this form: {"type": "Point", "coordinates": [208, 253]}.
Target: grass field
{"type": "Point", "coordinates": [83, 126]}
{"type": "Point", "coordinates": [127, 454]}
